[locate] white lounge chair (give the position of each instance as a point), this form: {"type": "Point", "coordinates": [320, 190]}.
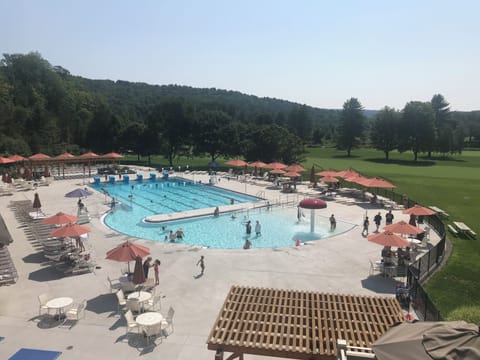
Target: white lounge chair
{"type": "Point", "coordinates": [131, 323]}
{"type": "Point", "coordinates": [75, 313]}
{"type": "Point", "coordinates": [43, 299]}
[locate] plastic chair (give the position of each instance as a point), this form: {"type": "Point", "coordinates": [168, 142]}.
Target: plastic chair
{"type": "Point", "coordinates": [131, 323]}
{"type": "Point", "coordinates": [121, 299]}
{"type": "Point", "coordinates": [154, 303]}
{"type": "Point", "coordinates": [168, 321]}
{"type": "Point", "coordinates": [75, 313]}
{"type": "Point", "coordinates": [43, 299]}
{"type": "Point", "coordinates": [114, 286]}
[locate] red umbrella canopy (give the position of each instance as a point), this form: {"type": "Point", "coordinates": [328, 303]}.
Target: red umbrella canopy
{"type": "Point", "coordinates": [60, 218]}
{"type": "Point", "coordinates": [4, 160]}
{"type": "Point", "coordinates": [89, 155]}
{"type": "Point", "coordinates": [112, 155]}
{"type": "Point", "coordinates": [292, 174]}
{"type": "Point", "coordinates": [312, 203]}
{"type": "Point", "coordinates": [295, 167]}
{"type": "Point", "coordinates": [388, 238]}
{"type": "Point", "coordinates": [347, 173]}
{"type": "Point", "coordinates": [70, 230]}
{"type": "Point", "coordinates": [419, 210]}
{"type": "Point", "coordinates": [402, 227]}
{"type": "Point", "coordinates": [138, 273]}
{"type": "Point", "coordinates": [329, 179]}
{"type": "Point", "coordinates": [277, 171]}
{"type": "Point", "coordinates": [358, 179]}
{"type": "Point", "coordinates": [259, 164]}
{"type": "Point", "coordinates": [17, 158]}
{"type": "Point", "coordinates": [276, 165]}
{"type": "Point", "coordinates": [236, 162]}
{"type": "Point", "coordinates": [127, 251]}
{"type": "Point", "coordinates": [377, 183]}
{"type": "Point", "coordinates": [64, 156]}
{"type": "Point", "coordinates": [327, 173]}
{"type": "Point", "coordinates": [39, 156]}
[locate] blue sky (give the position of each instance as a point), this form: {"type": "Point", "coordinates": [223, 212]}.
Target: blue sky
{"type": "Point", "coordinates": [319, 53]}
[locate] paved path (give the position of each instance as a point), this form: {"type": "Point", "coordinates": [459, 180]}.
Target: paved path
{"type": "Point", "coordinates": [339, 264]}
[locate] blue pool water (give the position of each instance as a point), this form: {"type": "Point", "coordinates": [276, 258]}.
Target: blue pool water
{"type": "Point", "coordinates": [279, 227]}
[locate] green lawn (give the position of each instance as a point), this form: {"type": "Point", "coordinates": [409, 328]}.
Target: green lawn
{"type": "Point", "coordinates": [451, 184]}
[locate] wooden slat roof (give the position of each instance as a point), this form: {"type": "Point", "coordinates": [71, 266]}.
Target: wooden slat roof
{"type": "Point", "coordinates": [299, 324]}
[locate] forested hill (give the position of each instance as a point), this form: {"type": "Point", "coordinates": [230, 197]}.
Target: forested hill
{"type": "Point", "coordinates": [127, 96]}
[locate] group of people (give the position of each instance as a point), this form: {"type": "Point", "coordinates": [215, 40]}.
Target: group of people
{"type": "Point", "coordinates": [377, 219]}
{"type": "Point", "coordinates": [147, 264]}
{"type": "Point", "coordinates": [173, 236]}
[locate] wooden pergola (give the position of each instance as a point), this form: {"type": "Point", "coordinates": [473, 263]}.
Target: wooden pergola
{"type": "Point", "coordinates": [298, 324]}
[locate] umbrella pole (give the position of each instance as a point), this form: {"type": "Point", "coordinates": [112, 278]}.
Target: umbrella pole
{"type": "Point", "coordinates": [312, 220]}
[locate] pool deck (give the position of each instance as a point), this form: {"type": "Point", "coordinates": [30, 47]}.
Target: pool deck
{"type": "Point", "coordinates": [335, 265]}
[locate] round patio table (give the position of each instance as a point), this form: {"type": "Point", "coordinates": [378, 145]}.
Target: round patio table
{"type": "Point", "coordinates": [59, 304]}
{"type": "Point", "coordinates": [149, 319]}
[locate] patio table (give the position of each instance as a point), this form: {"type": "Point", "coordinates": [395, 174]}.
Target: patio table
{"type": "Point", "coordinates": [59, 304]}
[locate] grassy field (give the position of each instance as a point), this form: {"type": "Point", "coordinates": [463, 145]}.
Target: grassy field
{"type": "Point", "coordinates": [451, 184]}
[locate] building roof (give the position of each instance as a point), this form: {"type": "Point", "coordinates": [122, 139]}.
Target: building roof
{"type": "Point", "coordinates": [299, 324]}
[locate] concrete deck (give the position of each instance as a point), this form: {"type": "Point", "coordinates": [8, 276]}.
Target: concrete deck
{"type": "Point", "coordinates": [339, 264]}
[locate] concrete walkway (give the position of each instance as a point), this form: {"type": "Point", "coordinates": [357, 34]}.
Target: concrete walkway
{"type": "Point", "coordinates": [339, 264]}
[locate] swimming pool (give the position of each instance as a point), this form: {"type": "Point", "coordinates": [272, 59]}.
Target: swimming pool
{"type": "Point", "coordinates": [279, 226]}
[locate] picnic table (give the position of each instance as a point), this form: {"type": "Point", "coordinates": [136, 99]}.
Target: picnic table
{"type": "Point", "coordinates": [464, 229]}
{"type": "Point", "coordinates": [439, 211]}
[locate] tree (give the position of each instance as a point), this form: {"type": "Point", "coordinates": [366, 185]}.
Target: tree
{"type": "Point", "coordinates": [210, 135]}
{"type": "Point", "coordinates": [384, 130]}
{"type": "Point", "coordinates": [416, 130]}
{"type": "Point", "coordinates": [351, 127]}
{"type": "Point", "coordinates": [442, 125]}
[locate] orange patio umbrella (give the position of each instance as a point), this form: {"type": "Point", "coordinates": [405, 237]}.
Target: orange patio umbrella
{"type": "Point", "coordinates": [127, 252]}
{"type": "Point", "coordinates": [327, 173]}
{"type": "Point", "coordinates": [292, 174]}
{"type": "Point", "coordinates": [388, 238]}
{"type": "Point", "coordinates": [347, 173]}
{"type": "Point", "coordinates": [64, 156]}
{"type": "Point", "coordinates": [376, 183]}
{"type": "Point", "coordinates": [329, 179]}
{"type": "Point", "coordinates": [71, 230]}
{"type": "Point", "coordinates": [236, 162]}
{"type": "Point", "coordinates": [277, 171]}
{"type": "Point", "coordinates": [419, 210]}
{"type": "Point", "coordinates": [4, 160]}
{"type": "Point", "coordinates": [60, 218]}
{"type": "Point", "coordinates": [17, 158]}
{"type": "Point", "coordinates": [112, 155]}
{"type": "Point", "coordinates": [276, 165]}
{"type": "Point", "coordinates": [89, 155]}
{"type": "Point", "coordinates": [39, 156]}
{"type": "Point", "coordinates": [259, 164]}
{"type": "Point", "coordinates": [402, 227]}
{"type": "Point", "coordinates": [295, 167]}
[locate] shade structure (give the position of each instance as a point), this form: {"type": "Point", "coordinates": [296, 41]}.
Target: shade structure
{"type": "Point", "coordinates": [71, 230]}
{"type": "Point", "coordinates": [295, 167]}
{"type": "Point", "coordinates": [78, 193]}
{"type": "Point", "coordinates": [276, 165]}
{"type": "Point", "coordinates": [419, 210]}
{"type": "Point", "coordinates": [17, 158]}
{"type": "Point", "coordinates": [388, 238]}
{"type": "Point", "coordinates": [377, 183]}
{"type": "Point", "coordinates": [36, 202]}
{"type": "Point", "coordinates": [277, 171]}
{"type": "Point", "coordinates": [402, 227]}
{"type": "Point", "coordinates": [427, 340]}
{"type": "Point", "coordinates": [329, 179]}
{"type": "Point", "coordinates": [357, 179]}
{"type": "Point", "coordinates": [112, 155]}
{"type": "Point", "coordinates": [312, 203]}
{"type": "Point", "coordinates": [60, 218]}
{"type": "Point", "coordinates": [236, 162]}
{"type": "Point", "coordinates": [259, 164]}
{"type": "Point", "coordinates": [292, 174]}
{"type": "Point", "coordinates": [65, 156]}
{"type": "Point", "coordinates": [4, 160]}
{"type": "Point", "coordinates": [138, 273]}
{"type": "Point", "coordinates": [347, 173]}
{"type": "Point", "coordinates": [39, 156]}
{"type": "Point", "coordinates": [89, 155]}
{"type": "Point", "coordinates": [327, 173]}
{"type": "Point", "coordinates": [127, 251]}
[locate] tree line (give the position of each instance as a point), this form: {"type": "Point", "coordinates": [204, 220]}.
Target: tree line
{"type": "Point", "coordinates": [44, 108]}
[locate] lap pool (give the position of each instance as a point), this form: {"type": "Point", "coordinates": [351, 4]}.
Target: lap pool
{"type": "Point", "coordinates": [279, 226]}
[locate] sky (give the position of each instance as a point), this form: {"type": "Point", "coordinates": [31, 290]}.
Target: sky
{"type": "Point", "coordinates": [319, 53]}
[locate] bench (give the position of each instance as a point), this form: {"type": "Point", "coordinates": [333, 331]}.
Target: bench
{"type": "Point", "coordinates": [452, 230]}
